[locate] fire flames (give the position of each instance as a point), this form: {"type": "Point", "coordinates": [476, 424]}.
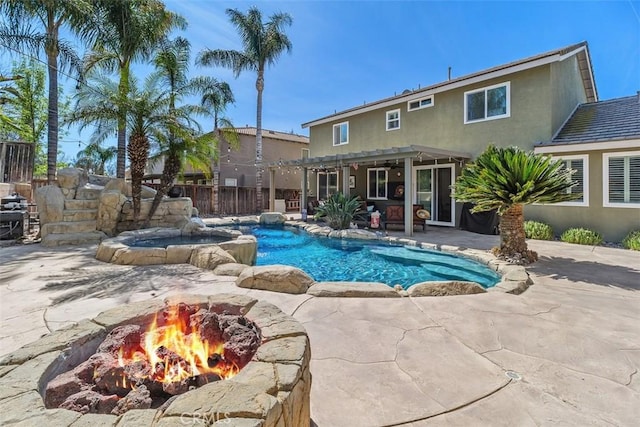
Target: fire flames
{"type": "Point", "coordinates": [173, 353]}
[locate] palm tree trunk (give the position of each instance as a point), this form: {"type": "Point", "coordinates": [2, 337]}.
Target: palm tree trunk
{"type": "Point", "coordinates": [216, 171]}
{"type": "Point", "coordinates": [123, 91]}
{"type": "Point", "coordinates": [138, 154]}
{"type": "Point", "coordinates": [260, 88]}
{"type": "Point", "coordinates": [52, 119]}
{"type": "Point", "coordinates": [512, 235]}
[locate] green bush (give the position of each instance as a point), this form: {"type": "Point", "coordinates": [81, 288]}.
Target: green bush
{"type": "Point", "coordinates": [538, 230]}
{"type": "Point", "coordinates": [632, 241]}
{"type": "Point", "coordinates": [581, 236]}
{"type": "Point", "coordinates": [338, 211]}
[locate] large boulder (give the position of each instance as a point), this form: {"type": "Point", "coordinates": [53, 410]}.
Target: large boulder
{"type": "Point", "coordinates": [276, 278]}
{"type": "Point", "coordinates": [72, 178]}
{"type": "Point", "coordinates": [244, 249]}
{"type": "Point", "coordinates": [209, 257]}
{"type": "Point", "coordinates": [444, 288]}
{"type": "Point", "coordinates": [125, 188]}
{"type": "Point", "coordinates": [272, 218]}
{"type": "Point", "coordinates": [109, 209]}
{"type": "Point", "coordinates": [50, 201]}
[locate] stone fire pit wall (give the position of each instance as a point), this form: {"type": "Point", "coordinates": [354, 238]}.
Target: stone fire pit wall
{"type": "Point", "coordinates": [271, 390]}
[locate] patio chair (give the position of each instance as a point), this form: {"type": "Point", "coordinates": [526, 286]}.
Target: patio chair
{"type": "Point", "coordinates": [394, 215]}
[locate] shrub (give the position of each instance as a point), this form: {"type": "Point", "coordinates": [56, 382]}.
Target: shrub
{"type": "Point", "coordinates": [581, 236]}
{"type": "Point", "coordinates": [338, 211]}
{"type": "Point", "coordinates": [538, 230]}
{"type": "Point", "coordinates": [632, 241]}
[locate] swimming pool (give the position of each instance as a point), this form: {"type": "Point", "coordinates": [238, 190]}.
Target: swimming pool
{"type": "Point", "coordinates": [351, 260]}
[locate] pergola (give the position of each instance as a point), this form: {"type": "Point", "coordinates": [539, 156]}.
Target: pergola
{"type": "Point", "coordinates": [408, 154]}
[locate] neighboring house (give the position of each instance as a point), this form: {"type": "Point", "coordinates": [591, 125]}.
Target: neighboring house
{"type": "Point", "coordinates": [601, 142]}
{"type": "Point", "coordinates": [422, 138]}
{"type": "Point", "coordinates": [237, 164]}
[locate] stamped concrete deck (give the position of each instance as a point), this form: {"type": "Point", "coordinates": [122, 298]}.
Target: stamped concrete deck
{"type": "Point", "coordinates": [571, 343]}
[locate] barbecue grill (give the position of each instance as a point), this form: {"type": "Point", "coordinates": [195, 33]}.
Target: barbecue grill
{"type": "Point", "coordinates": [14, 217]}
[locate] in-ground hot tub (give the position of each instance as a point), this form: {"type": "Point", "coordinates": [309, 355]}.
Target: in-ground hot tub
{"type": "Point", "coordinates": [271, 389]}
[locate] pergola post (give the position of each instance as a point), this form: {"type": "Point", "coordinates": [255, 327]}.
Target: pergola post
{"type": "Point", "coordinates": [272, 189]}
{"type": "Point", "coordinates": [305, 185]}
{"type": "Point", "coordinates": [346, 170]}
{"type": "Point", "coordinates": [408, 196]}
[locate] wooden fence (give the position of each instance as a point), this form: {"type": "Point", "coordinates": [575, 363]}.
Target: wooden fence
{"type": "Point", "coordinates": [16, 161]}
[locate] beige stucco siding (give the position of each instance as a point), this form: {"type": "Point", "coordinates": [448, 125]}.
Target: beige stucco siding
{"type": "Point", "coordinates": [442, 125]}
{"type": "Point", "coordinates": [567, 90]}
{"type": "Point", "coordinates": [612, 223]}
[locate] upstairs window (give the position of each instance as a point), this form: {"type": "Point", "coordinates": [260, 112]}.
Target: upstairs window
{"type": "Point", "coordinates": [580, 164]}
{"type": "Point", "coordinates": [341, 133]}
{"type": "Point", "coordinates": [420, 103]}
{"type": "Point", "coordinates": [488, 103]}
{"type": "Point", "coordinates": [377, 183]}
{"type": "Point", "coordinates": [621, 179]}
{"type": "Point", "coordinates": [393, 119]}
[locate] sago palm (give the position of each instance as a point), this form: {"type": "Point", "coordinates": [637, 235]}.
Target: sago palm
{"type": "Point", "coordinates": [263, 43]}
{"type": "Point", "coordinates": [506, 179]}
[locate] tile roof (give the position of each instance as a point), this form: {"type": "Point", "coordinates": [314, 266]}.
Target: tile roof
{"type": "Point", "coordinates": [266, 133]}
{"type": "Point", "coordinates": [612, 120]}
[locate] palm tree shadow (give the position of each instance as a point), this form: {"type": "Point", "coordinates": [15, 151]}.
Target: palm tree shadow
{"type": "Point", "coordinates": [103, 282]}
{"type": "Point", "coordinates": [587, 271]}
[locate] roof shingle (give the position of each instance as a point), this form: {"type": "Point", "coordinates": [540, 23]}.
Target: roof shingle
{"type": "Point", "coordinates": [612, 120]}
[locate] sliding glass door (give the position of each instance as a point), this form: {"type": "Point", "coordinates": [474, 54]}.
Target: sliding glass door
{"type": "Point", "coordinates": [432, 190]}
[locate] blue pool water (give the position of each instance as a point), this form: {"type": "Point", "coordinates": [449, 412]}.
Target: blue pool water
{"type": "Point", "coordinates": [163, 242]}
{"type": "Point", "coordinates": [327, 259]}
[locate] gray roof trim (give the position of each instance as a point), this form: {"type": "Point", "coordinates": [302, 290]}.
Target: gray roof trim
{"type": "Point", "coordinates": [375, 155]}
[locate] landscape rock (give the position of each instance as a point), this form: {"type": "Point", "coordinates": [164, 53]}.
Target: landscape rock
{"type": "Point", "coordinates": [50, 201]}
{"type": "Point", "coordinates": [245, 251]}
{"type": "Point", "coordinates": [444, 288]}
{"type": "Point", "coordinates": [276, 278]}
{"type": "Point", "coordinates": [209, 257]}
{"type": "Point", "coordinates": [272, 218]}
{"type": "Point", "coordinates": [109, 209]}
{"type": "Point", "coordinates": [71, 178]}
{"type": "Point", "coordinates": [352, 289]}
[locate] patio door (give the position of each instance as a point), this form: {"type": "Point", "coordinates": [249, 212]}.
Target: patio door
{"type": "Point", "coordinates": [432, 190]}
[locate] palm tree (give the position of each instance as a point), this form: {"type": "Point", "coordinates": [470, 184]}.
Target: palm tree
{"type": "Point", "coordinates": [130, 31]}
{"type": "Point", "coordinates": [506, 179]}
{"type": "Point", "coordinates": [34, 26]}
{"type": "Point", "coordinates": [94, 157]}
{"type": "Point", "coordinates": [263, 44]}
{"type": "Point", "coordinates": [215, 98]}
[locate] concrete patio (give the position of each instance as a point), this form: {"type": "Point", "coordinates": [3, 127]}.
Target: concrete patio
{"type": "Point", "coordinates": [566, 352]}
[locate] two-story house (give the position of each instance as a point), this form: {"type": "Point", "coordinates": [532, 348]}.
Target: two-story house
{"type": "Point", "coordinates": [419, 141]}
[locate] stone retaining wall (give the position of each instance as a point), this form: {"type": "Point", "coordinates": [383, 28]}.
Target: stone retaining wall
{"type": "Point", "coordinates": [271, 390]}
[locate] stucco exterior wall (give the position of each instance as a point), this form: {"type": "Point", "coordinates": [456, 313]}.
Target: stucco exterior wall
{"type": "Point", "coordinates": [442, 125]}
{"type": "Point", "coordinates": [612, 223]}
{"type": "Point", "coordinates": [567, 91]}
{"type": "Point", "coordinates": [243, 158]}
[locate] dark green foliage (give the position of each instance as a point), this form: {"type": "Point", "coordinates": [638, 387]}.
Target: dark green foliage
{"type": "Point", "coordinates": [338, 210]}
{"type": "Point", "coordinates": [581, 236]}
{"type": "Point", "coordinates": [632, 241]}
{"type": "Point", "coordinates": [503, 177]}
{"type": "Point", "coordinates": [538, 230]}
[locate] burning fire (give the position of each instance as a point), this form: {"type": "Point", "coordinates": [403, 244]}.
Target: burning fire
{"type": "Point", "coordinates": [174, 353]}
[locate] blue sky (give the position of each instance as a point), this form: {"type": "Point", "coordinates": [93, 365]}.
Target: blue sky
{"type": "Point", "coordinates": [348, 52]}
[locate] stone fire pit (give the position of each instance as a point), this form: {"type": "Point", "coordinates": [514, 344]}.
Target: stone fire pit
{"type": "Point", "coordinates": [271, 389]}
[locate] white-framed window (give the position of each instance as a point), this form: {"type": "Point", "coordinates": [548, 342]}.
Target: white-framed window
{"type": "Point", "coordinates": [341, 133]}
{"type": "Point", "coordinates": [377, 179]}
{"type": "Point", "coordinates": [489, 103]}
{"type": "Point", "coordinates": [417, 104]}
{"type": "Point", "coordinates": [393, 119]}
{"type": "Point", "coordinates": [580, 164]}
{"type": "Point", "coordinates": [621, 179]}
{"type": "Point", "coordinates": [327, 184]}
